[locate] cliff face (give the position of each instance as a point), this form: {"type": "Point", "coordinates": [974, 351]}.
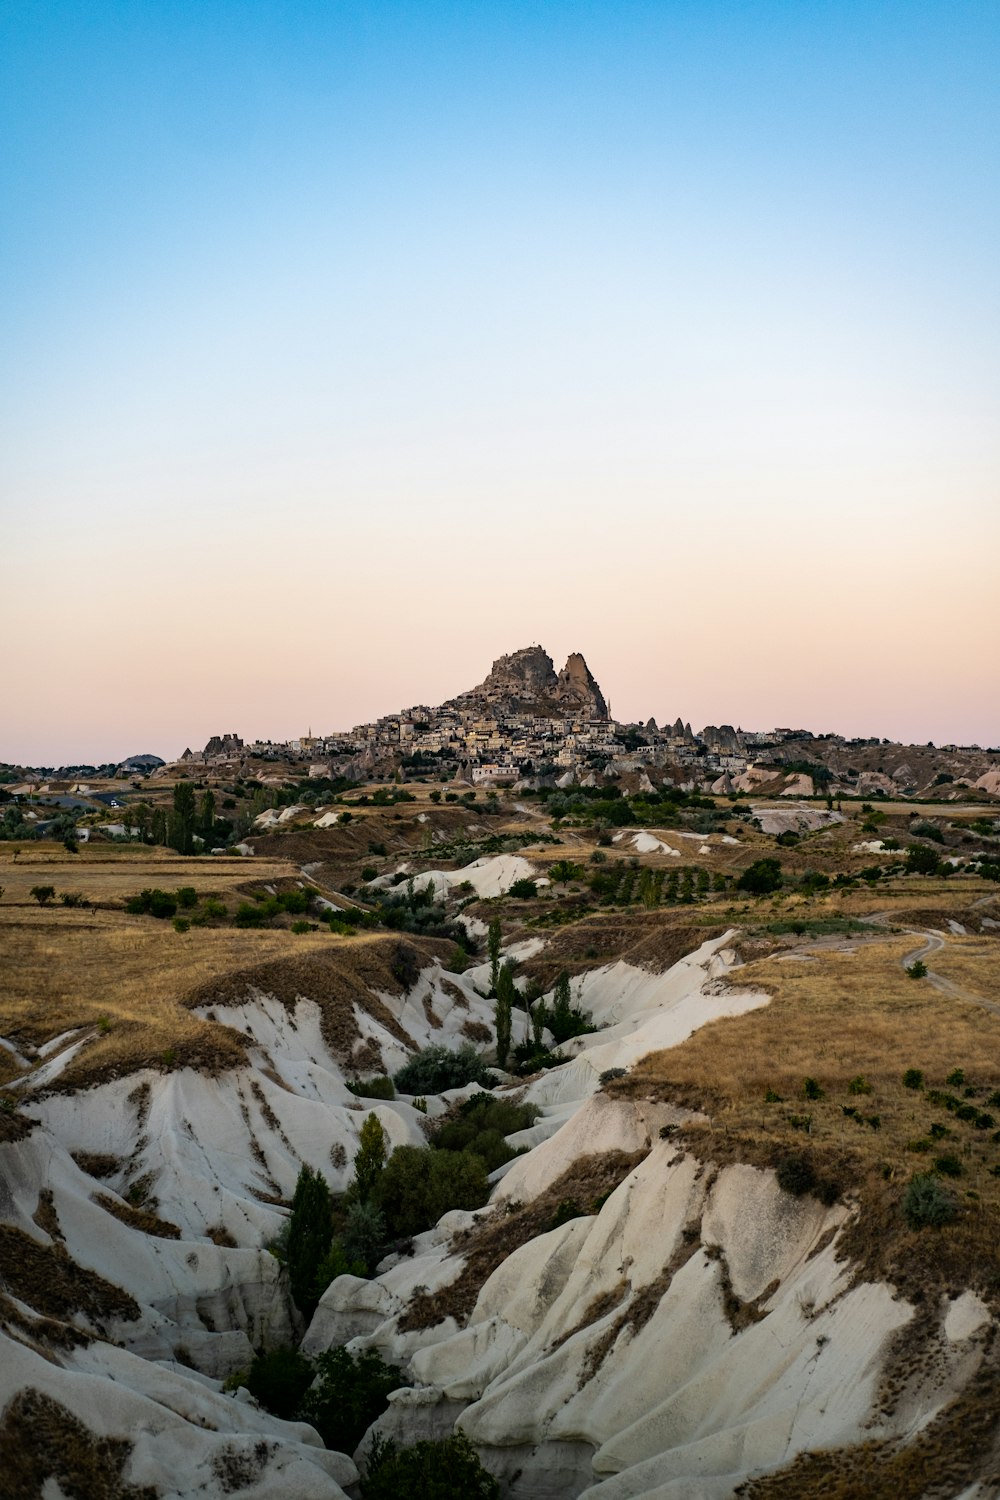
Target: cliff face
{"type": "Point", "coordinates": [526, 682]}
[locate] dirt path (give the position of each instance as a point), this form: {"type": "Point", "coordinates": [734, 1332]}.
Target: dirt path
{"type": "Point", "coordinates": [932, 943]}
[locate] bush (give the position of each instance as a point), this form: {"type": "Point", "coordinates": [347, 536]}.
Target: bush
{"type": "Point", "coordinates": [436, 1068]}
{"type": "Point", "coordinates": [187, 897]}
{"type": "Point", "coordinates": [338, 1262]}
{"type": "Point", "coordinates": [760, 878]}
{"type": "Point", "coordinates": [796, 1175]}
{"type": "Point", "coordinates": [43, 894]}
{"type": "Point", "coordinates": [858, 1085]}
{"type": "Point", "coordinates": [927, 1202]}
{"type": "Point", "coordinates": [419, 1184]}
{"type": "Point", "coordinates": [405, 965]}
{"type": "Point", "coordinates": [523, 890]}
{"type": "Point", "coordinates": [350, 1392]}
{"type": "Point", "coordinates": [480, 1125]}
{"type": "Point", "coordinates": [446, 1470]}
{"type": "Point", "coordinates": [154, 903]}
{"type": "Point", "coordinates": [948, 1166]}
{"type": "Point", "coordinates": [917, 970]}
{"type": "Point", "coordinates": [913, 1078]}
{"type": "Point", "coordinates": [182, 924]}
{"type": "Point", "coordinates": [380, 1087]}
{"type": "Point", "coordinates": [279, 1380]}
{"type": "Point", "coordinates": [249, 915]}
{"type": "Point", "coordinates": [812, 1090]}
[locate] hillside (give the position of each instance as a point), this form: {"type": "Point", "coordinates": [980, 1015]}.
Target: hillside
{"type": "Point", "coordinates": [701, 1275]}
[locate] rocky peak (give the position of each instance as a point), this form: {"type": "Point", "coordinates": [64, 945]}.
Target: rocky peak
{"type": "Point", "coordinates": [576, 685]}
{"type": "Point", "coordinates": [526, 682]}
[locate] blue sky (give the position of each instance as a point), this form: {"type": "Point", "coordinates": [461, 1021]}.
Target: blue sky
{"type": "Point", "coordinates": [637, 329]}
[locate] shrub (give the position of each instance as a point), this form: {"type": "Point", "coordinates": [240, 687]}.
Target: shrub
{"type": "Point", "coordinates": [43, 894]}
{"type": "Point", "coordinates": [480, 1125]}
{"type": "Point", "coordinates": [350, 1392]}
{"type": "Point", "coordinates": [760, 878]}
{"type": "Point", "coordinates": [368, 873]}
{"type": "Point", "coordinates": [913, 1078]}
{"type": "Point", "coordinates": [379, 1087]}
{"type": "Point", "coordinates": [917, 970]}
{"type": "Point", "coordinates": [926, 1202]}
{"type": "Point", "coordinates": [796, 1175]}
{"type": "Point", "coordinates": [182, 924]}
{"type": "Point", "coordinates": [956, 1078]}
{"type": "Point", "coordinates": [523, 890]}
{"type": "Point", "coordinates": [155, 903]}
{"type": "Point", "coordinates": [405, 965]}
{"type": "Point", "coordinates": [437, 1068]}
{"type": "Point", "coordinates": [812, 1090]}
{"type": "Point", "coordinates": [302, 926]}
{"type": "Point", "coordinates": [249, 915]}
{"type": "Point", "coordinates": [418, 1185]}
{"type": "Point", "coordinates": [337, 1262]}
{"type": "Point", "coordinates": [858, 1085]}
{"type": "Point", "coordinates": [279, 1380]}
{"type": "Point", "coordinates": [446, 1470]}
{"type": "Point", "coordinates": [187, 897]}
{"type": "Point", "coordinates": [948, 1166]}
{"type": "Point", "coordinates": [363, 1238]}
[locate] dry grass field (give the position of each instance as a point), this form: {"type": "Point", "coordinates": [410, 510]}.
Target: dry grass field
{"type": "Point", "coordinates": [846, 1016]}
{"type": "Point", "coordinates": [124, 978]}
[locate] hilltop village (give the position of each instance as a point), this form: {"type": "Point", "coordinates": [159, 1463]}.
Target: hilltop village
{"type": "Point", "coordinates": [526, 723]}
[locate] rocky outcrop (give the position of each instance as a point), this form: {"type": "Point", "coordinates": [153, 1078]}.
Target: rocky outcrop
{"type": "Point", "coordinates": [526, 682]}
{"type": "Point", "coordinates": [577, 688]}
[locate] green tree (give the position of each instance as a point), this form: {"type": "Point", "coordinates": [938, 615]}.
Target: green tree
{"type": "Point", "coordinates": [920, 860]}
{"type": "Point", "coordinates": [762, 877]}
{"type": "Point", "coordinates": [142, 816]}
{"type": "Point", "coordinates": [502, 1013]}
{"type": "Point", "coordinates": [206, 815]}
{"type": "Point", "coordinates": [538, 1023]}
{"type": "Point", "coordinates": [310, 1232]}
{"type": "Point", "coordinates": [350, 1392]}
{"type": "Point", "coordinates": [279, 1379]}
{"type": "Point", "coordinates": [493, 944]}
{"type": "Point", "coordinates": [158, 826]}
{"type": "Point", "coordinates": [448, 1469]}
{"type": "Point", "coordinates": [561, 1007]}
{"type": "Point", "coordinates": [420, 1184]}
{"type": "Point", "coordinates": [364, 1236]}
{"type": "Point", "coordinates": [370, 1159]}
{"type": "Point", "coordinates": [182, 819]}
{"type": "Point", "coordinates": [43, 894]}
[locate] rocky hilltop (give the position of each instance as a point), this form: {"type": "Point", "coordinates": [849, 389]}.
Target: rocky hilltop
{"type": "Point", "coordinates": [526, 682]}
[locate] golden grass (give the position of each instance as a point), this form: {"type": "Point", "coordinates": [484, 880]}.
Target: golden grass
{"type": "Point", "coordinates": [836, 1016]}
{"type": "Point", "coordinates": [971, 962]}
{"type": "Point", "coordinates": [126, 979]}
{"type": "Point", "coordinates": [107, 873]}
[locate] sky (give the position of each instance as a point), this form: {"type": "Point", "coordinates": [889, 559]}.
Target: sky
{"type": "Point", "coordinates": [346, 346]}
